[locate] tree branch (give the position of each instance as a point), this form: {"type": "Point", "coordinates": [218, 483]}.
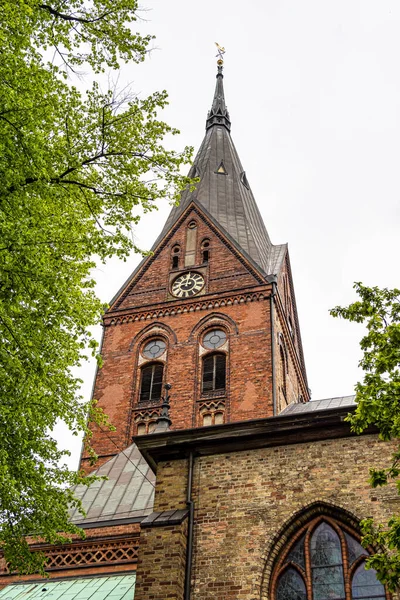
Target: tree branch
{"type": "Point", "coordinates": [65, 17]}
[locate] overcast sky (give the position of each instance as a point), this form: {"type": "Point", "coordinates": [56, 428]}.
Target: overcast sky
{"type": "Point", "coordinates": [313, 92]}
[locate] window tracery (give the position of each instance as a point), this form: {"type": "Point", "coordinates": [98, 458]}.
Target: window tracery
{"type": "Point", "coordinates": [325, 562]}
{"type": "Point", "coordinates": [213, 339]}
{"type": "Point", "coordinates": [154, 348]}
{"type": "Point", "coordinates": [212, 412]}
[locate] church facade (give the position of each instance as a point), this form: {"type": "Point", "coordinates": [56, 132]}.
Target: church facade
{"type": "Point", "coordinates": [224, 481]}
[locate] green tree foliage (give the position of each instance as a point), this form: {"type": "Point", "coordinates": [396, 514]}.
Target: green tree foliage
{"type": "Point", "coordinates": [378, 403]}
{"type": "Point", "coordinates": [74, 168]}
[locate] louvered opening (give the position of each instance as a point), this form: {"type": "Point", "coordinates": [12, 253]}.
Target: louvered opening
{"type": "Point", "coordinates": [151, 384]}
{"type": "Point", "coordinates": [214, 373]}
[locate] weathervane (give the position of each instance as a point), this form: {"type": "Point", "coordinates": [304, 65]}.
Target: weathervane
{"type": "Point", "coordinates": [220, 55]}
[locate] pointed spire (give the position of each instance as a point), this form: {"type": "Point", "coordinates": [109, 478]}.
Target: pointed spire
{"type": "Point", "coordinates": [224, 191]}
{"type": "Point", "coordinates": [219, 115]}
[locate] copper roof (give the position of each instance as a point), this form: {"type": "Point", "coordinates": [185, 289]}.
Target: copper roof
{"type": "Point", "coordinates": [115, 587]}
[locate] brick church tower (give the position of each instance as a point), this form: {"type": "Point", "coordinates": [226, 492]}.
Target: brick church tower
{"type": "Point", "coordinates": [212, 311]}
{"type": "Point", "coordinates": [221, 479]}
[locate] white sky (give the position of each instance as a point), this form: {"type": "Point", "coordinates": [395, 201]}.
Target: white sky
{"type": "Point", "coordinates": [313, 91]}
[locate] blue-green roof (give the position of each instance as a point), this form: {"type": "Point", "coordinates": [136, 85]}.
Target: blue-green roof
{"type": "Point", "coordinates": [117, 587]}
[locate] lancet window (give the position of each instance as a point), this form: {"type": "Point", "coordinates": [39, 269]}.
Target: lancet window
{"type": "Point", "coordinates": [214, 372]}
{"type": "Point", "coordinates": [175, 256]}
{"type": "Point", "coordinates": [151, 382]}
{"type": "Point", "coordinates": [205, 251]}
{"type": "Point", "coordinates": [326, 562]}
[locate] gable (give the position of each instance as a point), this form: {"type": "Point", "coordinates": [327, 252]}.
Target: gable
{"type": "Point", "coordinates": [194, 244]}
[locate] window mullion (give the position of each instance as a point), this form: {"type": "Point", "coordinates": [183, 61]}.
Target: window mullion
{"type": "Point", "coordinates": [214, 370]}
{"type": "Point", "coordinates": [346, 566]}
{"type": "Point", "coordinates": [151, 382]}
{"type": "Point", "coordinates": [307, 558]}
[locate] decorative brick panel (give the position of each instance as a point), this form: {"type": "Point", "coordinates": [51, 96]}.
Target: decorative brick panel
{"type": "Point", "coordinates": [82, 555]}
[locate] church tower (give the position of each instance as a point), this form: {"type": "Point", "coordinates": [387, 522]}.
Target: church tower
{"type": "Point", "coordinates": [234, 486]}
{"type": "Point", "coordinates": [212, 311]}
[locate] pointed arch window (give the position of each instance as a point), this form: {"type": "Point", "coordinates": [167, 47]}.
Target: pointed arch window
{"type": "Point", "coordinates": [325, 562]}
{"type": "Point", "coordinates": [214, 373]}
{"type": "Point", "coordinates": [175, 256]}
{"type": "Point", "coordinates": [151, 382]}
{"type": "Point", "coordinates": [205, 251]}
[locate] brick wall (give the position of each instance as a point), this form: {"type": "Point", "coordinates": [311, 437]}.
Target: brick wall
{"type": "Point", "coordinates": [244, 499]}
{"type": "Point", "coordinates": [235, 298]}
{"type": "Point", "coordinates": [288, 344]}
{"type": "Point", "coordinates": [225, 270]}
{"type": "Point", "coordinates": [171, 485]}
{"type": "Point", "coordinates": [98, 554]}
{"type": "Point", "coordinates": [249, 360]}
{"type": "Point", "coordinates": [236, 301]}
{"type": "Point", "coordinates": [161, 566]}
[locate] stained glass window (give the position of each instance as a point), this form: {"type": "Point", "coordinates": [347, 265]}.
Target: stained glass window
{"type": "Point", "coordinates": [355, 550]}
{"type": "Point", "coordinates": [327, 561]}
{"type": "Point", "coordinates": [296, 555]}
{"type": "Point", "coordinates": [365, 584]}
{"type": "Point", "coordinates": [291, 586]}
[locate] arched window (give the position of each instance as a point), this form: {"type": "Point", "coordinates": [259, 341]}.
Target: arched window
{"type": "Point", "coordinates": [205, 251]}
{"type": "Point", "coordinates": [325, 562]}
{"type": "Point", "coordinates": [175, 254]}
{"type": "Point", "coordinates": [214, 372]}
{"type": "Point", "coordinates": [151, 382]}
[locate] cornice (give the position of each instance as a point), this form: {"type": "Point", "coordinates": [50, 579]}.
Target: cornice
{"type": "Point", "coordinates": [167, 309]}
{"type": "Point", "coordinates": [246, 435]}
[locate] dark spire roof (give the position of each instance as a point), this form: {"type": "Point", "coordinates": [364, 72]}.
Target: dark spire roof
{"type": "Point", "coordinates": [224, 192]}
{"type": "Point", "coordinates": [219, 115]}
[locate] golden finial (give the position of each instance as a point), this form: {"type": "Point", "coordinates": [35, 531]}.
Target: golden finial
{"type": "Point", "coordinates": [221, 52]}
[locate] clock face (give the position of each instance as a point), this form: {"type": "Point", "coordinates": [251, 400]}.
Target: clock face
{"type": "Point", "coordinates": [187, 285]}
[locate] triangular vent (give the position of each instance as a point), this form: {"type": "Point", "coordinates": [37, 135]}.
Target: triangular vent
{"type": "Point", "coordinates": [221, 169]}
